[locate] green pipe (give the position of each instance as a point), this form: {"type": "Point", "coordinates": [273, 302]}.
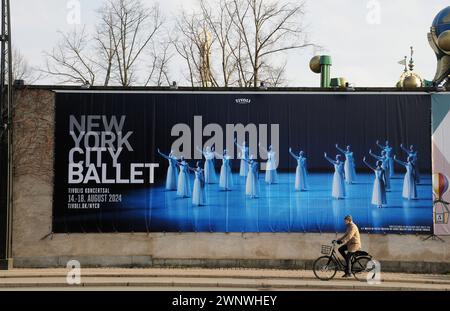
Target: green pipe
{"type": "Point", "coordinates": [325, 71]}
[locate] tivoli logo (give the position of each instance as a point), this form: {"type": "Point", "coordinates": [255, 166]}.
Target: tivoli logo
{"type": "Point", "coordinates": [243, 101]}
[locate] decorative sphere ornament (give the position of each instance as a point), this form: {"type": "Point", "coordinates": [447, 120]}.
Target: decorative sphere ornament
{"type": "Point", "coordinates": [439, 39]}
{"type": "Point", "coordinates": [442, 21]}
{"type": "Point", "coordinates": [412, 81]}
{"type": "Point", "coordinates": [444, 41]}
{"type": "Point", "coordinates": [314, 64]}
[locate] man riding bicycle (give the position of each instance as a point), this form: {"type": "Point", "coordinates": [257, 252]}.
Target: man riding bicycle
{"type": "Point", "coordinates": [352, 244]}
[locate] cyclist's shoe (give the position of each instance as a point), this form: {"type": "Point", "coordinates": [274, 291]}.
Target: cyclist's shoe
{"type": "Point", "coordinates": [347, 275]}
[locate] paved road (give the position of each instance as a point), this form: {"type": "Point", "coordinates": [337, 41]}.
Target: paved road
{"type": "Point", "coordinates": [208, 279]}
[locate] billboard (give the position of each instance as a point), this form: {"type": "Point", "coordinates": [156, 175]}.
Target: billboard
{"type": "Point", "coordinates": [441, 163]}
{"type": "Point", "coordinates": [242, 162]}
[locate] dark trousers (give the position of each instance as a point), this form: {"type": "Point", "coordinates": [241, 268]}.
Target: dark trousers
{"type": "Point", "coordinates": [343, 250]}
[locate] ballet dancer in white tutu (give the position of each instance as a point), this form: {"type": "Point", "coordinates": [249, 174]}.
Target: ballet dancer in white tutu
{"type": "Point", "coordinates": [379, 188]}
{"type": "Point", "coordinates": [385, 165]}
{"type": "Point", "coordinates": [349, 165]}
{"type": "Point", "coordinates": [210, 171]}
{"type": "Point", "coordinates": [252, 181]}
{"type": "Point", "coordinates": [184, 185]}
{"type": "Point", "coordinates": [412, 153]}
{"type": "Point", "coordinates": [389, 154]}
{"type": "Point", "coordinates": [409, 181]}
{"type": "Point", "coordinates": [244, 150]}
{"type": "Point", "coordinates": [172, 170]}
{"type": "Point", "coordinates": [300, 171]}
{"type": "Point", "coordinates": [226, 176]}
{"type": "Point", "coordinates": [338, 189]}
{"type": "Point", "coordinates": [271, 166]}
{"type": "Point", "coordinates": [198, 192]}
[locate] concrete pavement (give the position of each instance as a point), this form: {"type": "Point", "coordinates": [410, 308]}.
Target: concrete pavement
{"type": "Point", "coordinates": [209, 279]}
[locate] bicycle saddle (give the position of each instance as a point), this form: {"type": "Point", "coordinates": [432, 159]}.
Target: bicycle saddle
{"type": "Point", "coordinates": [361, 253]}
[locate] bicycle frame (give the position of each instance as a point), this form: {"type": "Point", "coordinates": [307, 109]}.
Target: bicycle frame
{"type": "Point", "coordinates": [337, 259]}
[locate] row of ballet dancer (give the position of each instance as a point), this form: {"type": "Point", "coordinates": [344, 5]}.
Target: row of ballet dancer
{"type": "Point", "coordinates": [344, 172]}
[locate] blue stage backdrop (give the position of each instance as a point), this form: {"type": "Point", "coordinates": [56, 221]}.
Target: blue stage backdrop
{"type": "Point", "coordinates": [231, 168]}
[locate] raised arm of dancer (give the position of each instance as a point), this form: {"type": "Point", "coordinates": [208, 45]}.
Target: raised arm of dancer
{"type": "Point", "coordinates": [400, 162]}
{"type": "Point", "coordinates": [374, 155]}
{"type": "Point", "coordinates": [378, 144]}
{"type": "Point", "coordinates": [404, 149]}
{"type": "Point", "coordinates": [190, 168]}
{"type": "Point", "coordinates": [329, 159]}
{"type": "Point", "coordinates": [237, 144]}
{"type": "Point", "coordinates": [340, 150]}
{"type": "Point", "coordinates": [262, 148]}
{"type": "Point", "coordinates": [199, 150]}
{"type": "Point", "coordinates": [248, 161]}
{"type": "Point", "coordinates": [293, 154]}
{"type": "Point", "coordinates": [368, 165]}
{"type": "Point", "coordinates": [163, 155]}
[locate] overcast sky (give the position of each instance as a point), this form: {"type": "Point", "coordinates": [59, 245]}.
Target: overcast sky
{"type": "Point", "coordinates": [363, 51]}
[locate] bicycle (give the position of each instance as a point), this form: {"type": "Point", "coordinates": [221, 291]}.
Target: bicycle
{"type": "Point", "coordinates": [326, 267]}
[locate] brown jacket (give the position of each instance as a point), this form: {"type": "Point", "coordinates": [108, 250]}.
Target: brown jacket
{"type": "Point", "coordinates": [352, 238]}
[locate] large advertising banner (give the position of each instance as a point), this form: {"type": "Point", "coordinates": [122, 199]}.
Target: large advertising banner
{"type": "Point", "coordinates": [242, 162]}
{"type": "Point", "coordinates": [441, 162]}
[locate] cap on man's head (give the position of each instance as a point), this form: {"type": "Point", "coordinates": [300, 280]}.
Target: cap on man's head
{"type": "Point", "coordinates": [348, 217]}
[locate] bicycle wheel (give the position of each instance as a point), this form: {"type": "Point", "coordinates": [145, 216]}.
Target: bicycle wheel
{"type": "Point", "coordinates": [324, 268]}
{"type": "Point", "coordinates": [360, 269]}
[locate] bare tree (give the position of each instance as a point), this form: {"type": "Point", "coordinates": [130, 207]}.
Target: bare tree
{"type": "Point", "coordinates": [132, 26]}
{"type": "Point", "coordinates": [193, 44]}
{"type": "Point", "coordinates": [267, 28]}
{"type": "Point", "coordinates": [274, 76]}
{"type": "Point", "coordinates": [70, 60]}
{"type": "Point", "coordinates": [115, 52]}
{"type": "Point", "coordinates": [106, 46]}
{"type": "Point", "coordinates": [246, 37]}
{"type": "Point", "coordinates": [159, 68]}
{"type": "Point", "coordinates": [221, 25]}
{"type": "Point", "coordinates": [21, 69]}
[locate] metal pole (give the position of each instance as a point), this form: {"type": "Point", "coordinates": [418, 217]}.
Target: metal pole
{"type": "Point", "coordinates": [3, 54]}
{"type": "Point", "coordinates": [6, 165]}
{"type": "Point", "coordinates": [10, 140]}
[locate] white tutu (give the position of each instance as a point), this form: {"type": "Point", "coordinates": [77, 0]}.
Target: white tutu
{"type": "Point", "coordinates": [184, 187]}
{"type": "Point", "coordinates": [210, 172]}
{"type": "Point", "coordinates": [271, 168]}
{"type": "Point", "coordinates": [349, 168]}
{"type": "Point", "coordinates": [338, 191]}
{"type": "Point", "coordinates": [252, 184]}
{"type": "Point", "coordinates": [391, 167]}
{"type": "Point", "coordinates": [388, 151]}
{"type": "Point", "coordinates": [172, 175]}
{"type": "Point", "coordinates": [409, 184]}
{"type": "Point", "coordinates": [387, 177]}
{"type": "Point", "coordinates": [300, 175]}
{"type": "Point", "coordinates": [198, 193]}
{"type": "Point", "coordinates": [226, 176]}
{"type": "Point", "coordinates": [379, 190]}
{"type": "Point", "coordinates": [415, 162]}
{"type": "Point", "coordinates": [243, 169]}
